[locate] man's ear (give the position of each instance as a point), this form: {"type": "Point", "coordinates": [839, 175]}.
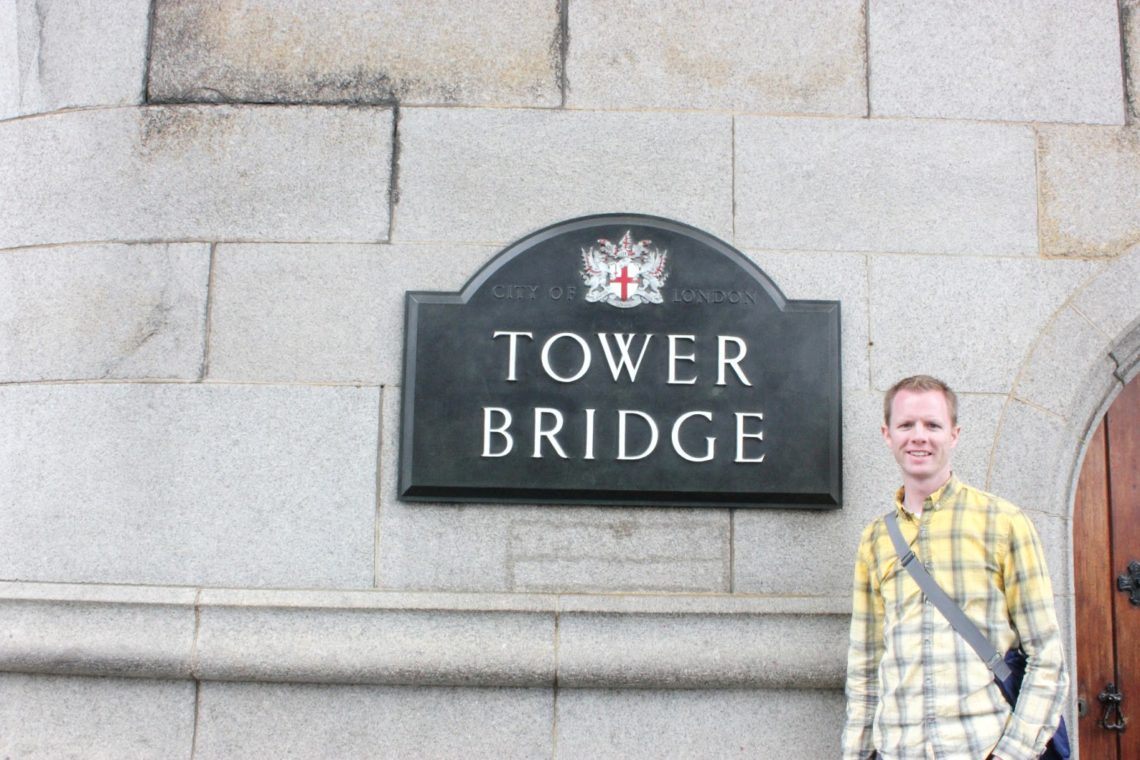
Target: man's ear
{"type": "Point", "coordinates": [954, 431]}
{"type": "Point", "coordinates": [886, 431]}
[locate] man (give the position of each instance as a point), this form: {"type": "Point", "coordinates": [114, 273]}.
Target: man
{"type": "Point", "coordinates": [915, 689]}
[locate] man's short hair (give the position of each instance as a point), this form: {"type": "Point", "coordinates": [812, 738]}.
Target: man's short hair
{"type": "Point", "coordinates": [920, 383]}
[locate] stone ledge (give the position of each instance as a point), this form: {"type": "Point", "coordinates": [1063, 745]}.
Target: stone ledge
{"type": "Point", "coordinates": [424, 639]}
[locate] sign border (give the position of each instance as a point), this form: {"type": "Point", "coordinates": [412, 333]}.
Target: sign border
{"type": "Point", "coordinates": [833, 499]}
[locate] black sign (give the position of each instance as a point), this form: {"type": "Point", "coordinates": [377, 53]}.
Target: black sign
{"type": "Point", "coordinates": [621, 359]}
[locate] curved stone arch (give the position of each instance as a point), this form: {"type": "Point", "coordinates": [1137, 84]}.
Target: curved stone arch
{"type": "Point", "coordinates": [1086, 354]}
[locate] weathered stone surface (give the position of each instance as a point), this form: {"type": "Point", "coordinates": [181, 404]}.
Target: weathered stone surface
{"type": "Point", "coordinates": [323, 313]}
{"type": "Point", "coordinates": [939, 316]}
{"type": "Point", "coordinates": [423, 638]}
{"type": "Point", "coordinates": [1032, 460]}
{"type": "Point", "coordinates": [103, 311]}
{"type": "Point", "coordinates": [888, 186]}
{"type": "Point", "coordinates": [193, 485]}
{"type": "Point", "coordinates": [1048, 60]}
{"type": "Point", "coordinates": [1109, 300]}
{"type": "Point", "coordinates": [1100, 386]}
{"type": "Point", "coordinates": [411, 51]}
{"type": "Point", "coordinates": [802, 58]}
{"type": "Point", "coordinates": [376, 646]}
{"type": "Point", "coordinates": [496, 175]}
{"type": "Point", "coordinates": [458, 547]}
{"type": "Point", "coordinates": [298, 721]}
{"type": "Point", "coordinates": [58, 716]}
{"type": "Point", "coordinates": [829, 277]}
{"type": "Point", "coordinates": [196, 172]}
{"type": "Point", "coordinates": [1090, 190]}
{"type": "Point", "coordinates": [132, 631]}
{"type": "Point", "coordinates": [702, 651]}
{"type": "Point", "coordinates": [69, 53]}
{"type": "Point", "coordinates": [298, 313]}
{"type": "Point", "coordinates": [9, 60]}
{"type": "Point", "coordinates": [693, 723]}
{"type": "Point", "coordinates": [1068, 347]}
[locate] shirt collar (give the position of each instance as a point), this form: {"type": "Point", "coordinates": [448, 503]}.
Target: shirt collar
{"type": "Point", "coordinates": [935, 500]}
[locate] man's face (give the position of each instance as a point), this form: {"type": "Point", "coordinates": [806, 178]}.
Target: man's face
{"type": "Point", "coordinates": [921, 436]}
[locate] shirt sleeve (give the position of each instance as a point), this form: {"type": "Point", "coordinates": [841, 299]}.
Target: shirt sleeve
{"type": "Point", "coordinates": [863, 655]}
{"type": "Point", "coordinates": [1029, 598]}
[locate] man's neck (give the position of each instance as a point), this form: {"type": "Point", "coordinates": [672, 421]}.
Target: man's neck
{"type": "Point", "coordinates": [916, 492]}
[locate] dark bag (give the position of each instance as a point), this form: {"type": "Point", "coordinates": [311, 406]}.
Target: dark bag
{"type": "Point", "coordinates": [1058, 746]}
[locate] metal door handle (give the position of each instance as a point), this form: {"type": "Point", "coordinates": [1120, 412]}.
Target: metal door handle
{"type": "Point", "coordinates": [1130, 581]}
{"type": "Point", "coordinates": [1111, 699]}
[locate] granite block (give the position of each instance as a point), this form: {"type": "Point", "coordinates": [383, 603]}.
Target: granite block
{"type": "Point", "coordinates": [306, 721]}
{"type": "Point", "coordinates": [687, 651]}
{"type": "Point", "coordinates": [1053, 376]}
{"type": "Point", "coordinates": [103, 311]}
{"type": "Point", "coordinates": [376, 646]}
{"type": "Point", "coordinates": [323, 313]}
{"type": "Point", "coordinates": [298, 313]}
{"type": "Point", "coordinates": [197, 173]}
{"type": "Point", "coordinates": [9, 59]}
{"type": "Point", "coordinates": [72, 53]}
{"type": "Point", "coordinates": [1109, 299]}
{"type": "Point", "coordinates": [481, 175]}
{"type": "Point", "coordinates": [96, 630]}
{"type": "Point", "coordinates": [188, 484]}
{"type": "Point", "coordinates": [801, 58]}
{"type": "Point", "coordinates": [371, 51]}
{"type": "Point", "coordinates": [885, 186]}
{"type": "Point", "coordinates": [306, 600]}
{"type": "Point", "coordinates": [690, 724]}
{"type": "Point", "coordinates": [53, 717]}
{"type": "Point", "coordinates": [465, 547]}
{"type": "Point", "coordinates": [829, 277]}
{"type": "Point", "coordinates": [1033, 459]}
{"type": "Point", "coordinates": [1047, 60]}
{"type": "Point", "coordinates": [1100, 387]}
{"type": "Point", "coordinates": [1089, 189]}
{"type": "Point", "coordinates": [956, 304]}
{"type": "Point", "coordinates": [423, 638]}
{"type": "Point", "coordinates": [650, 607]}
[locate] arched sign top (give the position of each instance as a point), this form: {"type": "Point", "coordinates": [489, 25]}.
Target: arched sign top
{"type": "Point", "coordinates": [621, 359]}
{"type": "Point", "coordinates": [636, 225]}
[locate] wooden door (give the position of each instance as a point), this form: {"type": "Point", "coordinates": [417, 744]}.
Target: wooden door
{"type": "Point", "coordinates": [1106, 538]}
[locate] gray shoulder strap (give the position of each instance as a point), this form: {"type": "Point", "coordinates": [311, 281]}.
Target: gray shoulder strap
{"type": "Point", "coordinates": [951, 611]}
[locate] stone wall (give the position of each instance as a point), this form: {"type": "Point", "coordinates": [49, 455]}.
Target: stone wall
{"type": "Point", "coordinates": [211, 212]}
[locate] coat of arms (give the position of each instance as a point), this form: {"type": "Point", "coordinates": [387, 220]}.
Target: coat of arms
{"type": "Point", "coordinates": [624, 274]}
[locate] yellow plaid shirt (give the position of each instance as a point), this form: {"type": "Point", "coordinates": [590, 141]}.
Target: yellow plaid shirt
{"type": "Point", "coordinates": [915, 688]}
